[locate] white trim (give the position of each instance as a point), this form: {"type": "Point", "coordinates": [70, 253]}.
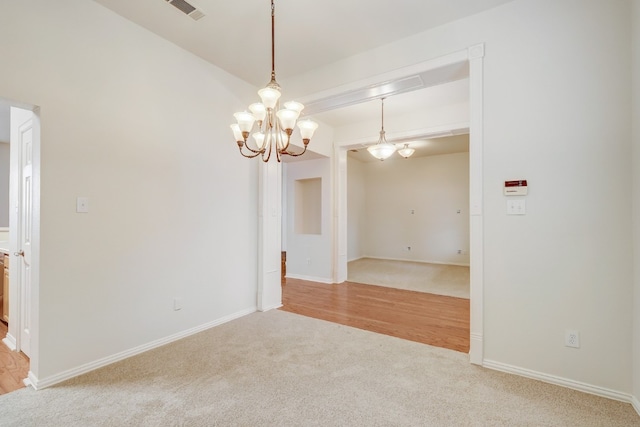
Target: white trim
{"type": "Point", "coordinates": [636, 404]}
{"type": "Point", "coordinates": [430, 64]}
{"type": "Point", "coordinates": [310, 278]}
{"type": "Point", "coordinates": [28, 382]}
{"type": "Point", "coordinates": [476, 219]}
{"type": "Point", "coordinates": [474, 55]}
{"type": "Point", "coordinates": [460, 264]}
{"type": "Point", "coordinates": [271, 307]}
{"type": "Point", "coordinates": [87, 367]}
{"type": "Point", "coordinates": [560, 381]}
{"type": "Point", "coordinates": [10, 341]}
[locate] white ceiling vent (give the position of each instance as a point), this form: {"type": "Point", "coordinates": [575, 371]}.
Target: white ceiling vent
{"type": "Point", "coordinates": [187, 9]}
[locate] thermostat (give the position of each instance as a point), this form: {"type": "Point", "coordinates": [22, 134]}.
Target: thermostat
{"type": "Point", "coordinates": [515, 188]}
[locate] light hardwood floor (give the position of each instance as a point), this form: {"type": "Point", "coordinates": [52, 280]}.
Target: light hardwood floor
{"type": "Point", "coordinates": [437, 320]}
{"type": "Point", "coordinates": [14, 366]}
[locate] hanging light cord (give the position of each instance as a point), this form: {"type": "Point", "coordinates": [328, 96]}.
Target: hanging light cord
{"type": "Point", "coordinates": [273, 44]}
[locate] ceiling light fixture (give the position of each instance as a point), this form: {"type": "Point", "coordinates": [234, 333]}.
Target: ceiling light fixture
{"type": "Point", "coordinates": [275, 125]}
{"type": "Point", "coordinates": [382, 150]}
{"type": "Point", "coordinates": [406, 151]}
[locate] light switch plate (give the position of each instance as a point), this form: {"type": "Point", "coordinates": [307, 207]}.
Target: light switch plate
{"type": "Point", "coordinates": [516, 207]}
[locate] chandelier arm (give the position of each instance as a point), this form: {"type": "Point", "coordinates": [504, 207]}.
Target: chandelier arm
{"type": "Point", "coordinates": [249, 156]}
{"type": "Point", "coordinates": [252, 150]}
{"type": "Point", "coordinates": [294, 154]}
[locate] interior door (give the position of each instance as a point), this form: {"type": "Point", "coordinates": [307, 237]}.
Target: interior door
{"type": "Point", "coordinates": [21, 273]}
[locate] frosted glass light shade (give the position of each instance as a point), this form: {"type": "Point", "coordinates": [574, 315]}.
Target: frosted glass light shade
{"type": "Point", "coordinates": [237, 133]}
{"type": "Point", "coordinates": [307, 128]}
{"type": "Point", "coordinates": [406, 151]}
{"type": "Point", "coordinates": [382, 151]}
{"type": "Point", "coordinates": [259, 138]}
{"type": "Point", "coordinates": [245, 120]}
{"type": "Point", "coordinates": [259, 111]}
{"type": "Point", "coordinates": [269, 96]}
{"type": "Point", "coordinates": [293, 105]}
{"type": "Point", "coordinates": [287, 118]}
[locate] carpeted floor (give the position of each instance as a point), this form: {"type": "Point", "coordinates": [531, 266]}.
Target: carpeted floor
{"type": "Point", "coordinates": [440, 279]}
{"type": "Point", "coordinates": [281, 369]}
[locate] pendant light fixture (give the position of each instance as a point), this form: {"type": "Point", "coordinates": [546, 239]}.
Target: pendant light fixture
{"type": "Point", "coordinates": [406, 151]}
{"type": "Point", "coordinates": [383, 149]}
{"type": "Point", "coordinates": [274, 125]}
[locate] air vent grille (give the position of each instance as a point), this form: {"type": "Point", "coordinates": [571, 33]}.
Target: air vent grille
{"type": "Point", "coordinates": [186, 8]}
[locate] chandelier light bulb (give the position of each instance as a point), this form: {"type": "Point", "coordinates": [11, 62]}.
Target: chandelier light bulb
{"type": "Point", "coordinates": [406, 151]}
{"type": "Point", "coordinates": [237, 133]}
{"type": "Point", "coordinates": [295, 106]}
{"type": "Point", "coordinates": [287, 118]}
{"type": "Point", "coordinates": [307, 129]}
{"type": "Point", "coordinates": [259, 138]}
{"type": "Point", "coordinates": [269, 96]}
{"type": "Point", "coordinates": [259, 111]}
{"type": "Point", "coordinates": [245, 121]}
{"type": "Point", "coordinates": [382, 151]}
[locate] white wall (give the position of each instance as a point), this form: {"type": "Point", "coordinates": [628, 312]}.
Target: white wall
{"type": "Point", "coordinates": [556, 112]}
{"type": "Point", "coordinates": [636, 199]}
{"type": "Point", "coordinates": [141, 128]}
{"type": "Point", "coordinates": [356, 208]}
{"type": "Point", "coordinates": [309, 256]}
{"type": "Point", "coordinates": [414, 203]}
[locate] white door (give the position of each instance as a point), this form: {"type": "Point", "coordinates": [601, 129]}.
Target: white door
{"type": "Point", "coordinates": [20, 270]}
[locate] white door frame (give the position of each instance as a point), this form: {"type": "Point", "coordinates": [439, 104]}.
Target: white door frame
{"type": "Point", "coordinates": [13, 340]}
{"type": "Point", "coordinates": [474, 55]}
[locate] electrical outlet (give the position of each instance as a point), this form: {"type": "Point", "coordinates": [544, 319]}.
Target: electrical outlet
{"type": "Point", "coordinates": [571, 338]}
{"type": "Point", "coordinates": [459, 251]}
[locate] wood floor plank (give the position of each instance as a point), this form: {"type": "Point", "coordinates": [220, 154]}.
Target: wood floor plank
{"type": "Point", "coordinates": [427, 318]}
{"type": "Point", "coordinates": [14, 366]}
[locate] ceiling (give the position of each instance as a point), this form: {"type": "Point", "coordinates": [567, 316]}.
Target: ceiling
{"type": "Point", "coordinates": [235, 35]}
{"type": "Point", "coordinates": [309, 34]}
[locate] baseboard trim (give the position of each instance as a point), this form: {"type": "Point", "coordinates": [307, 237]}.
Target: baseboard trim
{"type": "Point", "coordinates": [87, 367]}
{"type": "Point", "coordinates": [271, 307]}
{"type": "Point", "coordinates": [636, 404]}
{"type": "Point", "coordinates": [10, 341]}
{"type": "Point", "coordinates": [564, 382]}
{"type": "Point", "coordinates": [475, 349]}
{"type": "Point", "coordinates": [460, 264]}
{"type": "Point", "coordinates": [310, 278]}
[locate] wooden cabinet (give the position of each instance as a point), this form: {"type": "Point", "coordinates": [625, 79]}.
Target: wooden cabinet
{"type": "Point", "coordinates": [2, 286]}
{"type": "Point", "coordinates": [5, 286]}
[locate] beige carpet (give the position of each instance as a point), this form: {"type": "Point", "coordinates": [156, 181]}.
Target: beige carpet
{"type": "Point", "coordinates": [440, 279]}
{"type": "Point", "coordinates": [282, 369]}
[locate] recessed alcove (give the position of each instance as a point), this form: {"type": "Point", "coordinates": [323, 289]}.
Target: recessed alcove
{"type": "Point", "coordinates": [308, 206]}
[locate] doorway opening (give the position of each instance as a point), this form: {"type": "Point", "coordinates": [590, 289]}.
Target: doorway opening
{"type": "Point", "coordinates": [20, 242]}
{"type": "Point", "coordinates": [470, 59]}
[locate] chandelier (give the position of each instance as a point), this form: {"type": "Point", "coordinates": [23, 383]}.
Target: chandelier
{"type": "Point", "coordinates": [274, 125]}
{"type": "Point", "coordinates": [406, 151]}
{"type": "Point", "coordinates": [382, 149]}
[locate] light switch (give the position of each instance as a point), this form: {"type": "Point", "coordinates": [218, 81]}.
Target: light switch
{"type": "Point", "coordinates": [516, 207]}
{"type": "Point", "coordinates": [82, 205]}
